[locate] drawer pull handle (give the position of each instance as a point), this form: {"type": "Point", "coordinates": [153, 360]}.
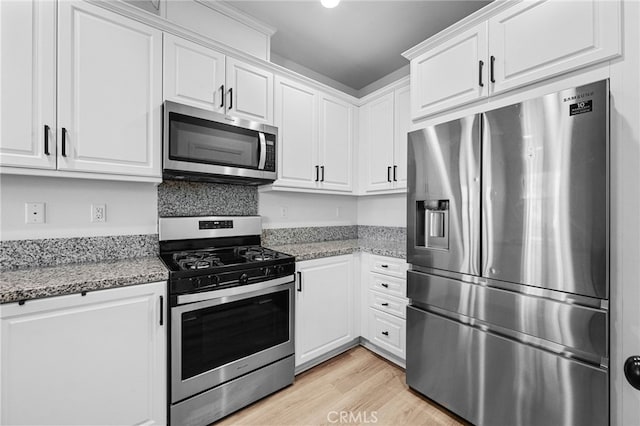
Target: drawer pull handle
{"type": "Point", "coordinates": [384, 266]}
{"type": "Point", "coordinates": [385, 285]}
{"type": "Point", "coordinates": [385, 304]}
{"type": "Point", "coordinates": [386, 333]}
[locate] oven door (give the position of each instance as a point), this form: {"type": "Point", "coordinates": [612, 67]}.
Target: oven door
{"type": "Point", "coordinates": [214, 146]}
{"type": "Point", "coordinates": [231, 333]}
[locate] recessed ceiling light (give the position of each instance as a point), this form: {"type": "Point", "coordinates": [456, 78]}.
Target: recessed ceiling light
{"type": "Point", "coordinates": [329, 4]}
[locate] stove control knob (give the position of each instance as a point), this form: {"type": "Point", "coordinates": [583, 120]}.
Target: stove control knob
{"type": "Point", "coordinates": [244, 278]}
{"type": "Point", "coordinates": [196, 282]}
{"type": "Point", "coordinates": [214, 280]}
{"type": "Point", "coordinates": [279, 269]}
{"type": "Point", "coordinates": [267, 271]}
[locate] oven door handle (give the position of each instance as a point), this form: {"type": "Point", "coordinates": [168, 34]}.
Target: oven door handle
{"type": "Point", "coordinates": [233, 291]}
{"type": "Point", "coordinates": [263, 150]}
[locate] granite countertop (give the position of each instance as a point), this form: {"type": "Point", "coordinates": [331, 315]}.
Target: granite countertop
{"type": "Point", "coordinates": [308, 251]}
{"type": "Point", "coordinates": [32, 283]}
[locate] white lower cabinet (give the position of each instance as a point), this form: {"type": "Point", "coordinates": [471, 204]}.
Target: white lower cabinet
{"type": "Point", "coordinates": [325, 310]}
{"type": "Point", "coordinates": [85, 360]}
{"type": "Point", "coordinates": [384, 303]}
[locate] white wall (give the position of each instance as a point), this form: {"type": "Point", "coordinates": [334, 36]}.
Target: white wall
{"type": "Point", "coordinates": [383, 210]}
{"type": "Point", "coordinates": [131, 207]}
{"type": "Point", "coordinates": [303, 209]}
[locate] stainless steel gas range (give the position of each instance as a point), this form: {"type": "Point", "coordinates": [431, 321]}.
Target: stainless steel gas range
{"type": "Point", "coordinates": [232, 315]}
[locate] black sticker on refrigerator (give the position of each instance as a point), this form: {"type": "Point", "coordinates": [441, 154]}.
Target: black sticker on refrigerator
{"type": "Point", "coordinates": [580, 108]}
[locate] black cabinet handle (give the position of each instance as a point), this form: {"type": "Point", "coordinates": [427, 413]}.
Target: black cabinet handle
{"type": "Point", "coordinates": [64, 142]}
{"type": "Point", "coordinates": [230, 98]}
{"type": "Point", "coordinates": [389, 174]}
{"type": "Point", "coordinates": [386, 333]}
{"type": "Point", "coordinates": [317, 173]}
{"type": "Point", "coordinates": [46, 139]}
{"type": "Point", "coordinates": [322, 172]}
{"type": "Point", "coordinates": [384, 265]}
{"type": "Point", "coordinates": [222, 96]}
{"type": "Point", "coordinates": [161, 310]}
{"type": "Point", "coordinates": [493, 60]}
{"type": "Point", "coordinates": [395, 172]}
{"type": "Point", "coordinates": [385, 285]}
{"type": "Point", "coordinates": [299, 281]}
{"type": "Point", "coordinates": [632, 371]}
{"type": "Point", "coordinates": [481, 65]}
{"type": "Point", "coordinates": [384, 304]}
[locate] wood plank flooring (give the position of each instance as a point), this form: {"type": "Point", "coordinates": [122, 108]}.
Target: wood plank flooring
{"type": "Point", "coordinates": [355, 388]}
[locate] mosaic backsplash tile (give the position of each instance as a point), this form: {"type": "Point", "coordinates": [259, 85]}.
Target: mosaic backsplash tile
{"type": "Point", "coordinates": [183, 198]}
{"type": "Point", "coordinates": [60, 251]}
{"type": "Point", "coordinates": [387, 233]}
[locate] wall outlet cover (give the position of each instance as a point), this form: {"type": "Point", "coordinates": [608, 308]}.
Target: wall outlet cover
{"type": "Point", "coordinates": [98, 213]}
{"type": "Point", "coordinates": [34, 213]}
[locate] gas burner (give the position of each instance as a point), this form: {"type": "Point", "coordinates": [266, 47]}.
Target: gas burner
{"type": "Point", "coordinates": [190, 260]}
{"type": "Point", "coordinates": [258, 254]}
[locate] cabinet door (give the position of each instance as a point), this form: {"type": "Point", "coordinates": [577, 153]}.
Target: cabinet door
{"type": "Point", "coordinates": [378, 143]}
{"type": "Point", "coordinates": [324, 307]}
{"type": "Point", "coordinates": [250, 92]}
{"type": "Point", "coordinates": [296, 117]}
{"type": "Point", "coordinates": [451, 74]}
{"type": "Point", "coordinates": [27, 73]}
{"type": "Point", "coordinates": [109, 92]}
{"type": "Point", "coordinates": [533, 40]}
{"type": "Point", "coordinates": [85, 360]}
{"type": "Point", "coordinates": [402, 123]}
{"type": "Point", "coordinates": [193, 74]}
{"type": "Point", "coordinates": [336, 143]}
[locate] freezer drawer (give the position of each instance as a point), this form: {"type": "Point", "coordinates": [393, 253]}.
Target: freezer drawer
{"type": "Point", "coordinates": [560, 326]}
{"type": "Point", "coordinates": [492, 380]}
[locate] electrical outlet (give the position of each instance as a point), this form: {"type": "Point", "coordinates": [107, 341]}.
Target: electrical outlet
{"type": "Point", "coordinates": [34, 213]}
{"type": "Point", "coordinates": [283, 211]}
{"type": "Point", "coordinates": [98, 213]}
{"type": "Point", "coordinates": [337, 211]}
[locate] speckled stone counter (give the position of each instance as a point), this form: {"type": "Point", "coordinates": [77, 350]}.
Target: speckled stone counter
{"type": "Point", "coordinates": [32, 283]}
{"type": "Point", "coordinates": [315, 250]}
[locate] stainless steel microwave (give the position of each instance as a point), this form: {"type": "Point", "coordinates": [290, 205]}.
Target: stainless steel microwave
{"type": "Point", "coordinates": [209, 146]}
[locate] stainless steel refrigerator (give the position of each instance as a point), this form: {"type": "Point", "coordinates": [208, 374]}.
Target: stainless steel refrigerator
{"type": "Point", "coordinates": [507, 237]}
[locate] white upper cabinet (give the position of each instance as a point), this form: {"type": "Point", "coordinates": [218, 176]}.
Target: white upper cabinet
{"type": "Point", "coordinates": [452, 73]}
{"type": "Point", "coordinates": [296, 117]}
{"type": "Point", "coordinates": [193, 74]}
{"type": "Point", "coordinates": [28, 84]}
{"type": "Point", "coordinates": [518, 44]}
{"type": "Point", "coordinates": [402, 123]}
{"type": "Point", "coordinates": [336, 144]}
{"type": "Point", "coordinates": [533, 40]}
{"type": "Point", "coordinates": [250, 91]}
{"type": "Point", "coordinates": [109, 92]}
{"type": "Point", "coordinates": [90, 102]}
{"type": "Point", "coordinates": [316, 132]}
{"type": "Point", "coordinates": [384, 124]}
{"type": "Point", "coordinates": [205, 78]}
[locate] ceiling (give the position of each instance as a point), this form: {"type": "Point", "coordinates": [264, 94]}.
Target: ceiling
{"type": "Point", "coordinates": [359, 41]}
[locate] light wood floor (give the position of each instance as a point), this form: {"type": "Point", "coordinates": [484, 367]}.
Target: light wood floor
{"type": "Point", "coordinates": [358, 385]}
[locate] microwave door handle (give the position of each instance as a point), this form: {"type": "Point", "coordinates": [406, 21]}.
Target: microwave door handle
{"type": "Point", "coordinates": [263, 151]}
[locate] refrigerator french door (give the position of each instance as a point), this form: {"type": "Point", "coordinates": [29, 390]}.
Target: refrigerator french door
{"type": "Point", "coordinates": [507, 236]}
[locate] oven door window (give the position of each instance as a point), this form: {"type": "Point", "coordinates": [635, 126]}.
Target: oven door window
{"type": "Point", "coordinates": [203, 141]}
{"type": "Point", "coordinates": [217, 335]}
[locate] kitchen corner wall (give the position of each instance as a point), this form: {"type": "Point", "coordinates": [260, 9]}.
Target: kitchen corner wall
{"type": "Point", "coordinates": [130, 207]}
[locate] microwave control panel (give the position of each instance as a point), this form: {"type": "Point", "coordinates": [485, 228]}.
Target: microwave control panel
{"type": "Point", "coordinates": [270, 159]}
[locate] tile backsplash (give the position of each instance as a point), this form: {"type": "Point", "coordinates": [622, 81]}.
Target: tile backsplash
{"type": "Point", "coordinates": [183, 198]}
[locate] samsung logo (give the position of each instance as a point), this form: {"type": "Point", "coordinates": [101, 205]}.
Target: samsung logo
{"type": "Point", "coordinates": [578, 96]}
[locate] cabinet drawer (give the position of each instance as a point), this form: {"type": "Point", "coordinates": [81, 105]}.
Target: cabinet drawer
{"type": "Point", "coordinates": [389, 304]}
{"type": "Point", "coordinates": [387, 332]}
{"type": "Point", "coordinates": [389, 266]}
{"type": "Point", "coordinates": [388, 285]}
